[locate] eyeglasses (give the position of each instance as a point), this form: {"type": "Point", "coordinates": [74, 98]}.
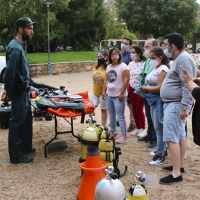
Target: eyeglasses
{"type": "Point", "coordinates": [99, 57]}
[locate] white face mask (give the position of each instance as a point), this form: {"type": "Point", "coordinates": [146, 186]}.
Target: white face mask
{"type": "Point", "coordinates": [124, 47]}
{"type": "Point", "coordinates": [146, 51]}
{"type": "Point", "coordinates": [133, 56]}
{"type": "Point", "coordinates": [153, 63]}
{"type": "Point", "coordinates": [167, 53]}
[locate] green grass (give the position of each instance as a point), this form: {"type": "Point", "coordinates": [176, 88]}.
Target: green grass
{"type": "Point", "coordinates": [64, 56]}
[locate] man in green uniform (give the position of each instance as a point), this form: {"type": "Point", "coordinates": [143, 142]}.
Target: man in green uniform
{"type": "Point", "coordinates": [17, 89]}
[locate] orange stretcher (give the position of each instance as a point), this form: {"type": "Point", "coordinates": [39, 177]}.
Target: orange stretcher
{"type": "Point", "coordinates": [68, 113]}
{"type": "Point", "coordinates": [62, 112]}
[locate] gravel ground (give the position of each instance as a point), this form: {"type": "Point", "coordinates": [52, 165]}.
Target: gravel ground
{"type": "Point", "coordinates": [58, 176]}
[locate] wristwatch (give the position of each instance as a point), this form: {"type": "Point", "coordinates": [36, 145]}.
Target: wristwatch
{"type": "Point", "coordinates": [183, 108]}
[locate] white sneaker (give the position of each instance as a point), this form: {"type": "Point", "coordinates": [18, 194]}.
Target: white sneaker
{"type": "Point", "coordinates": [142, 133]}
{"type": "Point", "coordinates": [135, 132]}
{"type": "Point", "coordinates": [152, 153]}
{"type": "Point", "coordinates": [157, 161]}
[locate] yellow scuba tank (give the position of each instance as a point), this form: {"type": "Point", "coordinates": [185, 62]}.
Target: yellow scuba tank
{"type": "Point", "coordinates": [89, 136]}
{"type": "Point", "coordinates": [137, 191]}
{"type": "Point", "coordinates": [106, 147]}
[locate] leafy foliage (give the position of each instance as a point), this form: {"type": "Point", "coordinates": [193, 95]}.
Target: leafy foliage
{"type": "Point", "coordinates": [159, 17]}
{"type": "Point", "coordinates": [36, 10]}
{"type": "Point", "coordinates": [78, 23]}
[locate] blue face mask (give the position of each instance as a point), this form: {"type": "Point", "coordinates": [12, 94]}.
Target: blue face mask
{"type": "Point", "coordinates": [167, 53]}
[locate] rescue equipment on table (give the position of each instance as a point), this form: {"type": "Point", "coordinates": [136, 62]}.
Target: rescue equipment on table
{"type": "Point", "coordinates": [63, 104]}
{"type": "Point", "coordinates": [110, 187]}
{"type": "Point", "coordinates": [137, 191]}
{"type": "Point", "coordinates": [72, 113]}
{"type": "Point", "coordinates": [95, 134]}
{"type": "Point", "coordinates": [37, 90]}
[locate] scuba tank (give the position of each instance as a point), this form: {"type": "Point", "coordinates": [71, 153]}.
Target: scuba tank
{"type": "Point", "coordinates": [97, 135]}
{"type": "Point", "coordinates": [109, 152]}
{"type": "Point", "coordinates": [110, 188]}
{"type": "Point", "coordinates": [106, 147]}
{"type": "Point", "coordinates": [137, 191]}
{"type": "Point", "coordinates": [89, 136]}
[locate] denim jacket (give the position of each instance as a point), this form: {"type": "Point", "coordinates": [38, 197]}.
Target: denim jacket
{"type": "Point", "coordinates": [155, 98]}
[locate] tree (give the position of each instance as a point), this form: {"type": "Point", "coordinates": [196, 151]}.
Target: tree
{"type": "Point", "coordinates": [117, 30]}
{"type": "Point", "coordinates": [78, 23]}
{"type": "Point", "coordinates": [85, 21]}
{"type": "Point", "coordinates": [198, 34]}
{"type": "Point", "coordinates": [159, 17]}
{"type": "Point", "coordinates": [36, 10]}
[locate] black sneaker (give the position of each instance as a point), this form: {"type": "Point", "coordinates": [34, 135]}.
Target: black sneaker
{"type": "Point", "coordinates": [117, 123]}
{"type": "Point", "coordinates": [152, 144]}
{"type": "Point", "coordinates": [170, 168]}
{"type": "Point", "coordinates": [33, 150]}
{"type": "Point", "coordinates": [157, 160]}
{"type": "Point", "coordinates": [170, 179]}
{"type": "Point", "coordinates": [25, 159]}
{"type": "Point", "coordinates": [146, 139]}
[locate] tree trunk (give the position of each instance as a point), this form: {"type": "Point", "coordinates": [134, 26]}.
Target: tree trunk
{"type": "Point", "coordinates": [193, 42]}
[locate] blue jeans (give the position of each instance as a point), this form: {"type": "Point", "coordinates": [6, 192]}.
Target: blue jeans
{"type": "Point", "coordinates": [150, 131]}
{"type": "Point", "coordinates": [161, 145]}
{"type": "Point", "coordinates": [116, 107]}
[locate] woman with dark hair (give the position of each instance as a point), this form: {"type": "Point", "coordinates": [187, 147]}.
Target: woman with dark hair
{"type": "Point", "coordinates": [99, 75]}
{"type": "Point", "coordinates": [115, 93]}
{"type": "Point", "coordinates": [154, 80]}
{"type": "Point", "coordinates": [137, 101]}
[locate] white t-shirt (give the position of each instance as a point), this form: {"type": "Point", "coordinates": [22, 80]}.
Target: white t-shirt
{"type": "Point", "coordinates": [135, 71]}
{"type": "Point", "coordinates": [115, 79]}
{"type": "Point", "coordinates": [152, 78]}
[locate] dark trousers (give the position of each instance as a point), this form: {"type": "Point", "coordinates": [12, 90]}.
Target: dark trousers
{"type": "Point", "coordinates": [150, 131]}
{"type": "Point", "coordinates": [20, 127]}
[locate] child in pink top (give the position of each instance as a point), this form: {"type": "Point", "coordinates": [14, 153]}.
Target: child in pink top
{"type": "Point", "coordinates": [115, 93]}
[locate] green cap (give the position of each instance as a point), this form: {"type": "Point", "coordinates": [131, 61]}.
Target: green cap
{"type": "Point", "coordinates": [22, 22]}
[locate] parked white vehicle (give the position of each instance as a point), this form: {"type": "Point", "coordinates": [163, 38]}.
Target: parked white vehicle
{"type": "Point", "coordinates": [2, 67]}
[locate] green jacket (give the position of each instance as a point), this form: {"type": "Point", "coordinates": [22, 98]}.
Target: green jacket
{"type": "Point", "coordinates": [145, 72]}
{"type": "Point", "coordinates": [16, 66]}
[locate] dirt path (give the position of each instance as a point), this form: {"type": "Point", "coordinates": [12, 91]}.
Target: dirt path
{"type": "Point", "coordinates": [58, 176]}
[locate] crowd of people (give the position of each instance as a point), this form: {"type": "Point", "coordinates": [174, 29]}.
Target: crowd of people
{"type": "Point", "coordinates": [137, 77]}
{"type": "Point", "coordinates": [153, 81]}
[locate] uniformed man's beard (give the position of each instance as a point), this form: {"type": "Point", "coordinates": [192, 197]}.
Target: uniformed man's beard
{"type": "Point", "coordinates": [25, 37]}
